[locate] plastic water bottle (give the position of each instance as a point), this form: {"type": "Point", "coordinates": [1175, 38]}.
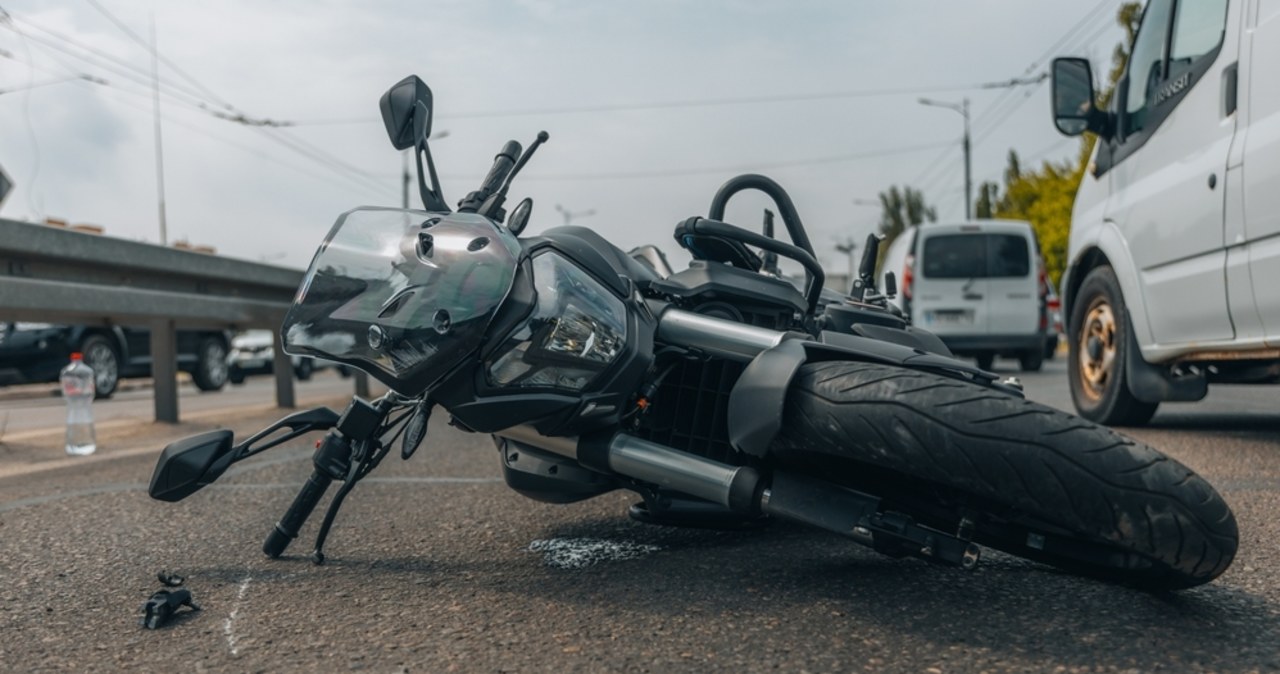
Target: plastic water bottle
{"type": "Point", "coordinates": [77, 389]}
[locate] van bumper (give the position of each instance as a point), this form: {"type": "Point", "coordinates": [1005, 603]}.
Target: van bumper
{"type": "Point", "coordinates": [965, 345]}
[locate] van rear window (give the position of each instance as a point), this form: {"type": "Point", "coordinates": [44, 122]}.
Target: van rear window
{"type": "Point", "coordinates": [969, 256]}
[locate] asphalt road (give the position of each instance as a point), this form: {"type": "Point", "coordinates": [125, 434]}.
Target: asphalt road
{"type": "Point", "coordinates": [434, 565]}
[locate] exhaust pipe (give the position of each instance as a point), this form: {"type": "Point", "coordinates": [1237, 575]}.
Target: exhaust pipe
{"type": "Point", "coordinates": [734, 487]}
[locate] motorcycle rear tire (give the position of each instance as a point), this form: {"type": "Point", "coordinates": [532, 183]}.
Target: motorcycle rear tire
{"type": "Point", "coordinates": [1037, 482]}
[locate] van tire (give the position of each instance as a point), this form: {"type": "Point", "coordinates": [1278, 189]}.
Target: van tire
{"type": "Point", "coordinates": [1098, 348]}
{"type": "Point", "coordinates": [985, 360]}
{"type": "Point", "coordinates": [1031, 361]}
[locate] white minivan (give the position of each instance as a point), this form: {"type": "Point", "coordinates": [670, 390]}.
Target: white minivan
{"type": "Point", "coordinates": [1173, 276]}
{"type": "Point", "coordinates": [978, 285]}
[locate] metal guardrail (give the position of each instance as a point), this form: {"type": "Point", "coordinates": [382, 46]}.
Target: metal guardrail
{"type": "Point", "coordinates": [49, 274]}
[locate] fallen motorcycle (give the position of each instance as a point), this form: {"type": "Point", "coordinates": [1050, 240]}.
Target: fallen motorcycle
{"type": "Point", "coordinates": [722, 395]}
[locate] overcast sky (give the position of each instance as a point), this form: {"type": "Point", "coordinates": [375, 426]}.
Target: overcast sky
{"type": "Point", "coordinates": [84, 151]}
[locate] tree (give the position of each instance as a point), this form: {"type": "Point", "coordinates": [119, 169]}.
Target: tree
{"type": "Point", "coordinates": [1044, 196]}
{"type": "Point", "coordinates": [900, 209]}
{"type": "Point", "coordinates": [988, 194]}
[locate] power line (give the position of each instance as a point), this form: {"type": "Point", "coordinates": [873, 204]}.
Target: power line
{"type": "Point", "coordinates": [335, 179]}
{"type": "Point", "coordinates": [699, 103]}
{"type": "Point", "coordinates": [358, 176]}
{"type": "Point", "coordinates": [798, 163]}
{"type": "Point", "coordinates": [195, 97]}
{"type": "Point", "coordinates": [117, 71]}
{"type": "Point", "coordinates": [294, 144]}
{"type": "Point", "coordinates": [1091, 16]}
{"type": "Point", "coordinates": [995, 113]}
{"type": "Point", "coordinates": [136, 38]}
{"type": "Point", "coordinates": [59, 41]}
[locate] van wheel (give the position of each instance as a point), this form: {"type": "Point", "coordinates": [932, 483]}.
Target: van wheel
{"type": "Point", "coordinates": [985, 360]}
{"type": "Point", "coordinates": [1097, 349]}
{"type": "Point", "coordinates": [1031, 361]}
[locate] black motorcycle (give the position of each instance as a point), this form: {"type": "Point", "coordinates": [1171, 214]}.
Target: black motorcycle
{"type": "Point", "coordinates": [722, 395]}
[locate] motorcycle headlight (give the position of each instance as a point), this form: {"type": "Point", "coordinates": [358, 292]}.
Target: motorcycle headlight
{"type": "Point", "coordinates": [576, 330]}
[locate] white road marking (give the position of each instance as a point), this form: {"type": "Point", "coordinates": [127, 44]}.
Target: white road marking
{"type": "Point", "coordinates": [228, 626]}
{"type": "Point", "coordinates": [578, 553]}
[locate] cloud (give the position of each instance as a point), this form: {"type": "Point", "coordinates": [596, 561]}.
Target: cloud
{"type": "Point", "coordinates": [248, 193]}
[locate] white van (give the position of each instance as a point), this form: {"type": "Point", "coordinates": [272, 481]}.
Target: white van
{"type": "Point", "coordinates": [977, 285]}
{"type": "Point", "coordinates": [1173, 277]}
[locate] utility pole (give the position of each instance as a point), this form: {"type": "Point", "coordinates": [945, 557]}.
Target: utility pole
{"type": "Point", "coordinates": [963, 109]}
{"type": "Point", "coordinates": [155, 100]}
{"type": "Point", "coordinates": [404, 198]}
{"type": "Point", "coordinates": [848, 247]}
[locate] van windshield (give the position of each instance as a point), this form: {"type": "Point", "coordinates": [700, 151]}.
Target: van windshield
{"type": "Point", "coordinates": [967, 256]}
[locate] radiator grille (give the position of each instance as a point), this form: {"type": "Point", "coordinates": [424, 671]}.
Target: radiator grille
{"type": "Point", "coordinates": [690, 409]}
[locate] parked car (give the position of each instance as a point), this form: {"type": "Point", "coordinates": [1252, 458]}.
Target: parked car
{"type": "Point", "coordinates": [977, 285]}
{"type": "Point", "coordinates": [37, 352]}
{"type": "Point", "coordinates": [253, 352]}
{"type": "Point", "coordinates": [1173, 276]}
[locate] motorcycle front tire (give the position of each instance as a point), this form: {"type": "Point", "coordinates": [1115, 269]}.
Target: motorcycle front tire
{"type": "Point", "coordinates": [1036, 482]}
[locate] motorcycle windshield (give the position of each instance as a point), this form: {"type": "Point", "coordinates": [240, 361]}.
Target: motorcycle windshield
{"type": "Point", "coordinates": [404, 295]}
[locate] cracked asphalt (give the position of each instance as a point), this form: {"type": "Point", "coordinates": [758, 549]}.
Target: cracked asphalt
{"type": "Point", "coordinates": [435, 566]}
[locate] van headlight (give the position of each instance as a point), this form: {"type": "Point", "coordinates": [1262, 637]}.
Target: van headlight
{"type": "Point", "coordinates": [577, 329]}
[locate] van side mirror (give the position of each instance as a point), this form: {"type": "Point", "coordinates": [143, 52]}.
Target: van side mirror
{"type": "Point", "coordinates": [406, 112]}
{"type": "Point", "coordinates": [1075, 106]}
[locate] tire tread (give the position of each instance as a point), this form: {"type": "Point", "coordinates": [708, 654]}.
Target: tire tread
{"type": "Point", "coordinates": [1083, 477]}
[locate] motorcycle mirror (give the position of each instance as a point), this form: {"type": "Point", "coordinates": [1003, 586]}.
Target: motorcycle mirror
{"type": "Point", "coordinates": [406, 112]}
{"type": "Point", "coordinates": [520, 216]}
{"type": "Point", "coordinates": [189, 464]}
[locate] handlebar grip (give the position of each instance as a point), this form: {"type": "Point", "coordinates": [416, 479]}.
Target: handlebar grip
{"type": "Point", "coordinates": [287, 528]}
{"type": "Point", "coordinates": [870, 252]}
{"type": "Point", "coordinates": [502, 164]}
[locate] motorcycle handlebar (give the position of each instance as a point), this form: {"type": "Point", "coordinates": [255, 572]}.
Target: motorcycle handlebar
{"type": "Point", "coordinates": [332, 460]}
{"type": "Point", "coordinates": [502, 165]}
{"type": "Point", "coordinates": [870, 251]}
{"type": "Point", "coordinates": [287, 528]}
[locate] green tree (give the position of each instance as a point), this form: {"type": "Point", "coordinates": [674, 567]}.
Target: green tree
{"type": "Point", "coordinates": [1044, 196]}
{"type": "Point", "coordinates": [988, 196]}
{"type": "Point", "coordinates": [898, 210]}
{"type": "Point", "coordinates": [901, 208]}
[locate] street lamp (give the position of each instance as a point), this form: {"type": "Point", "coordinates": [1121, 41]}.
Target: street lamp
{"type": "Point", "coordinates": [570, 215]}
{"type": "Point", "coordinates": [963, 109]}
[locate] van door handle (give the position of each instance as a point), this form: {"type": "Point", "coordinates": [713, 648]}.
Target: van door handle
{"type": "Point", "coordinates": [972, 296]}
{"type": "Point", "coordinates": [1230, 85]}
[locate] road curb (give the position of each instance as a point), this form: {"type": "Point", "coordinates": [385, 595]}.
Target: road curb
{"type": "Point", "coordinates": [243, 420]}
